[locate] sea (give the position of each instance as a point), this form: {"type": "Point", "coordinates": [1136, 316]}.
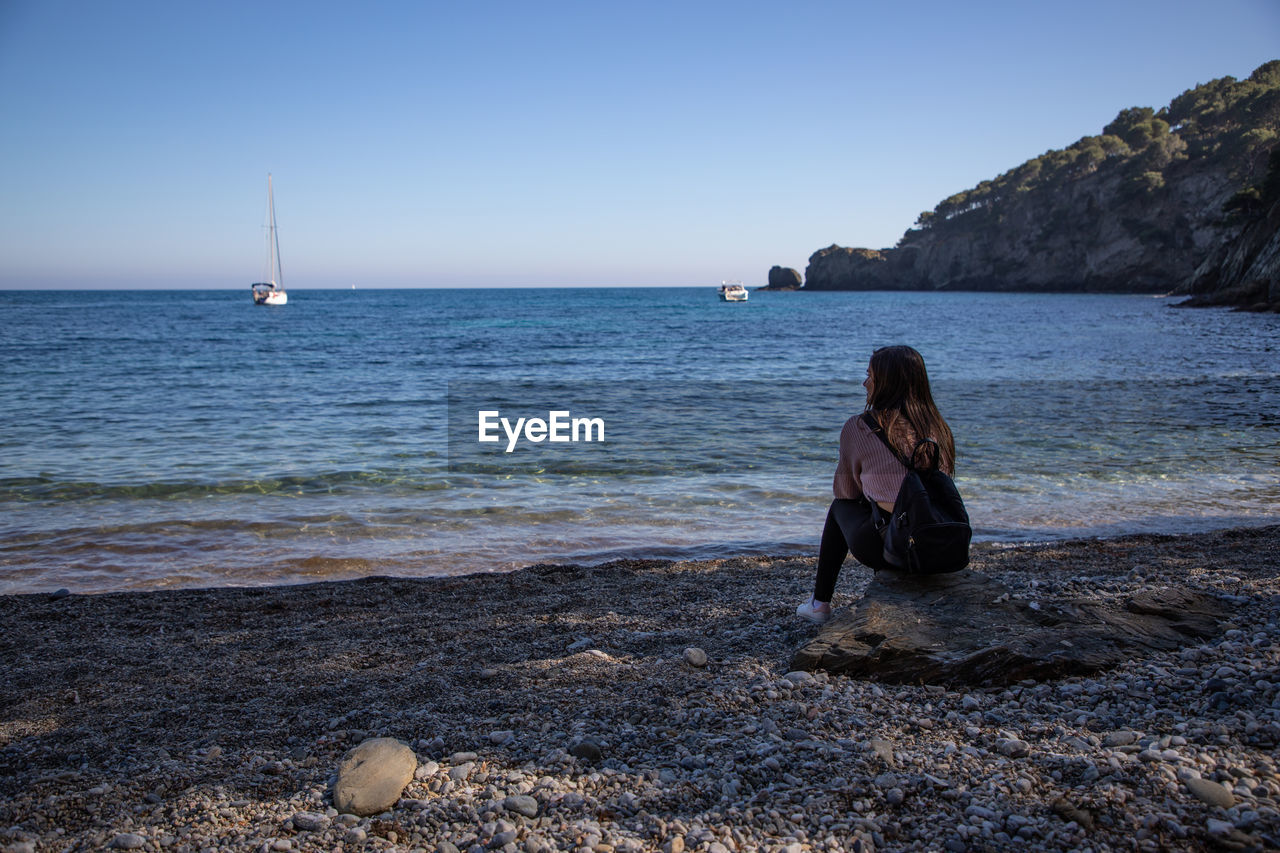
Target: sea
{"type": "Point", "coordinates": [186, 438]}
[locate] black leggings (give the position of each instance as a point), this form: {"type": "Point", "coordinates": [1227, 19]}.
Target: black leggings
{"type": "Point", "coordinates": [849, 527]}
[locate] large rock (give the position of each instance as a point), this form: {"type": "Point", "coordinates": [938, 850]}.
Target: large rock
{"type": "Point", "coordinates": [783, 278]}
{"type": "Point", "coordinates": [964, 628]}
{"type": "Point", "coordinates": [372, 776]}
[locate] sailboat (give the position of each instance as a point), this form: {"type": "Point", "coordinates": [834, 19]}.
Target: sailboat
{"type": "Point", "coordinates": [271, 292]}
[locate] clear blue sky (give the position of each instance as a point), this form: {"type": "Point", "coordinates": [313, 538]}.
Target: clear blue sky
{"type": "Point", "coordinates": [544, 143]}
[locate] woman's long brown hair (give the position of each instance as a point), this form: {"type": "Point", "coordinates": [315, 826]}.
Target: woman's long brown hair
{"type": "Point", "coordinates": [900, 389]}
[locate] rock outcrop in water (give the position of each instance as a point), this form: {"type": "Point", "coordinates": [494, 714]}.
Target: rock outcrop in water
{"type": "Point", "coordinates": [783, 278]}
{"type": "Point", "coordinates": [1138, 208]}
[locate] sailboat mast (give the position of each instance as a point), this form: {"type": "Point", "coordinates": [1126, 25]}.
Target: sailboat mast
{"type": "Point", "coordinates": [277, 274]}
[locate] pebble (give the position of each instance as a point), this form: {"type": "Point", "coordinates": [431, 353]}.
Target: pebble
{"type": "Point", "coordinates": [695, 657]}
{"type": "Point", "coordinates": [1069, 811]}
{"type": "Point", "coordinates": [588, 750]}
{"type": "Point", "coordinates": [1121, 738]}
{"type": "Point", "coordinates": [310, 821]}
{"type": "Point", "coordinates": [1220, 828]}
{"type": "Point", "coordinates": [128, 841]}
{"type": "Point", "coordinates": [883, 750]}
{"type": "Point", "coordinates": [1012, 747]}
{"type": "Point", "coordinates": [1210, 792]}
{"type": "Point", "coordinates": [521, 804]}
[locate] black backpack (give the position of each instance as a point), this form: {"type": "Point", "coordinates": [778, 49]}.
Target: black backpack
{"type": "Point", "coordinates": [928, 532]}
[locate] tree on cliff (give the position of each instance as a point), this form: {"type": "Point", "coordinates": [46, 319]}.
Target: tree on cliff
{"type": "Point", "coordinates": [1226, 122]}
{"type": "Point", "coordinates": [1137, 207]}
{"type": "Point", "coordinates": [1253, 201]}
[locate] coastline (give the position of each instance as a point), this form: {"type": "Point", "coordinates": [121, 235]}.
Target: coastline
{"type": "Point", "coordinates": [184, 718]}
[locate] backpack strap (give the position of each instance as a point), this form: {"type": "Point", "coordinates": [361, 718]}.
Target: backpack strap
{"type": "Point", "coordinates": [930, 446]}
{"type": "Point", "coordinates": [874, 425]}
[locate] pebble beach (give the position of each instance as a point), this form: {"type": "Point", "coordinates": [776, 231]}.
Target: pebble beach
{"type": "Point", "coordinates": [636, 705]}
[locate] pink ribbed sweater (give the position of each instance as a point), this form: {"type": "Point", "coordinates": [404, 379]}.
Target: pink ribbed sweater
{"type": "Point", "coordinates": [866, 466]}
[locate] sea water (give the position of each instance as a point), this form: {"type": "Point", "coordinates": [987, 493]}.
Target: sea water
{"type": "Point", "coordinates": [191, 438]}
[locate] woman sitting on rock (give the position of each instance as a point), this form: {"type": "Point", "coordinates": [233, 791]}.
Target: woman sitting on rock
{"type": "Point", "coordinates": [899, 400]}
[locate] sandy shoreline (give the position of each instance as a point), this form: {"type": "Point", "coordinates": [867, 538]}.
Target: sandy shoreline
{"type": "Point", "coordinates": [195, 718]}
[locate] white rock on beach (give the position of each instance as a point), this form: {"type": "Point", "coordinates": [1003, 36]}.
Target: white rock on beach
{"type": "Point", "coordinates": [883, 750]}
{"type": "Point", "coordinates": [372, 776]}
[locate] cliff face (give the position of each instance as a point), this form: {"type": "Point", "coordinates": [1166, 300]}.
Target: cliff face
{"type": "Point", "coordinates": [1099, 232]}
{"type": "Point", "coordinates": [1244, 271]}
{"type": "Point", "coordinates": [1136, 209]}
{"type": "Point", "coordinates": [1096, 233]}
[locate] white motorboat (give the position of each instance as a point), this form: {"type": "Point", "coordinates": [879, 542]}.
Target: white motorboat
{"type": "Point", "coordinates": [271, 292]}
{"type": "Point", "coordinates": [732, 291]}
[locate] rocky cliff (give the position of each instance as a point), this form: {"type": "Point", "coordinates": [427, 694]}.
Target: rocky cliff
{"type": "Point", "coordinates": [1245, 271]}
{"type": "Point", "coordinates": [1137, 208]}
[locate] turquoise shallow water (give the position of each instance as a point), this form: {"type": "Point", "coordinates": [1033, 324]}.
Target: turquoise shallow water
{"type": "Point", "coordinates": [189, 438]}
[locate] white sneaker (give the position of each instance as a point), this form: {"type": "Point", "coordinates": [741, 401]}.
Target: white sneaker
{"type": "Point", "coordinates": [815, 611]}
